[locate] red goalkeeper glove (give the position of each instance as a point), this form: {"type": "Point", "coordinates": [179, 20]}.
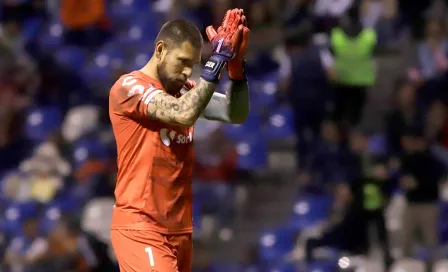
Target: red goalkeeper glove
{"type": "Point", "coordinates": [190, 84]}
{"type": "Point", "coordinates": [236, 64]}
{"type": "Point", "coordinates": [226, 42]}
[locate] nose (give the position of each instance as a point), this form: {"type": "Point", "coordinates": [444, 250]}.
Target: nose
{"type": "Point", "coordinates": [187, 72]}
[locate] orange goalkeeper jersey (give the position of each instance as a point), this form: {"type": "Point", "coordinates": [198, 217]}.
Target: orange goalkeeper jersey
{"type": "Point", "coordinates": [155, 161]}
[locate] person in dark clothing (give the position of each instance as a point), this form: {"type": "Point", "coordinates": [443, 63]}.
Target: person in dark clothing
{"type": "Point", "coordinates": [309, 92]}
{"type": "Point", "coordinates": [345, 229]}
{"type": "Point", "coordinates": [328, 160]}
{"type": "Point", "coordinates": [405, 115]}
{"type": "Point", "coordinates": [422, 173]}
{"type": "Point", "coordinates": [373, 192]}
{"type": "Point", "coordinates": [412, 14]}
{"type": "Point", "coordinates": [71, 249]}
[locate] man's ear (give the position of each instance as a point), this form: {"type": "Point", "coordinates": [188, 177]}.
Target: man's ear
{"type": "Point", "coordinates": [159, 48]}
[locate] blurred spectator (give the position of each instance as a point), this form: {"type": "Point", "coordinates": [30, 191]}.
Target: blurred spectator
{"type": "Point", "coordinates": [328, 162]}
{"type": "Point", "coordinates": [373, 11]}
{"type": "Point", "coordinates": [298, 18]}
{"type": "Point", "coordinates": [432, 52]}
{"type": "Point", "coordinates": [354, 68]}
{"type": "Point", "coordinates": [436, 128]}
{"type": "Point", "coordinates": [199, 12]}
{"type": "Point", "coordinates": [381, 15]}
{"type": "Point", "coordinates": [71, 249]}
{"type": "Point", "coordinates": [20, 11]}
{"type": "Point", "coordinates": [344, 219]}
{"type": "Point", "coordinates": [86, 22]}
{"type": "Point", "coordinates": [412, 13]}
{"type": "Point", "coordinates": [308, 185]}
{"type": "Point", "coordinates": [262, 22]}
{"type": "Point", "coordinates": [219, 8]}
{"type": "Point", "coordinates": [422, 173]}
{"type": "Point", "coordinates": [374, 191]}
{"type": "Point", "coordinates": [15, 187]}
{"type": "Point", "coordinates": [359, 161]}
{"type": "Point", "coordinates": [328, 12]}
{"type": "Point", "coordinates": [12, 103]}
{"type": "Point", "coordinates": [25, 252]}
{"type": "Point", "coordinates": [308, 91]}
{"type": "Point", "coordinates": [44, 187]}
{"type": "Point", "coordinates": [405, 114]}
{"type": "Point", "coordinates": [45, 172]}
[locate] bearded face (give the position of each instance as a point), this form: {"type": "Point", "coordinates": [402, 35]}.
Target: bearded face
{"type": "Point", "coordinates": [171, 82]}
{"type": "Point", "coordinates": [175, 66]}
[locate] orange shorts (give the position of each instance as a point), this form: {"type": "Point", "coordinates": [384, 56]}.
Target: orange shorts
{"type": "Point", "coordinates": [149, 251]}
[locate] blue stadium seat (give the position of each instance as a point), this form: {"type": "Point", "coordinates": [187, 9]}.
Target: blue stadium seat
{"type": "Point", "coordinates": [286, 267]}
{"type": "Point", "coordinates": [97, 77]}
{"type": "Point", "coordinates": [443, 209]}
{"type": "Point", "coordinates": [110, 55]}
{"type": "Point", "coordinates": [377, 144]}
{"type": "Point", "coordinates": [86, 149]}
{"type": "Point", "coordinates": [123, 11]}
{"type": "Point", "coordinates": [197, 215]}
{"type": "Point", "coordinates": [265, 89]}
{"type": "Point", "coordinates": [280, 124]}
{"type": "Point", "coordinates": [309, 210]}
{"type": "Point", "coordinates": [274, 244]}
{"type": "Point", "coordinates": [41, 122]}
{"type": "Point", "coordinates": [100, 72]}
{"type": "Point", "coordinates": [71, 57]}
{"type": "Point", "coordinates": [252, 153]}
{"type": "Point", "coordinates": [443, 229]}
{"type": "Point", "coordinates": [142, 31]}
{"type": "Point", "coordinates": [16, 213]}
{"type": "Point", "coordinates": [52, 37]}
{"type": "Point", "coordinates": [31, 29]}
{"type": "Point", "coordinates": [55, 209]}
{"type": "Point", "coordinates": [250, 128]}
{"type": "Point", "coordinates": [140, 57]}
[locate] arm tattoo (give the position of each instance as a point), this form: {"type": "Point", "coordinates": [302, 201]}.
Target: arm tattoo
{"type": "Point", "coordinates": [183, 111]}
{"type": "Point", "coordinates": [231, 108]}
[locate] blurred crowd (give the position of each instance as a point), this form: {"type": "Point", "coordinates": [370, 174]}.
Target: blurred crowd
{"type": "Point", "coordinates": [312, 66]}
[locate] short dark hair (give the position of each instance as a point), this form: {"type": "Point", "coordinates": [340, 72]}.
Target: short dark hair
{"type": "Point", "coordinates": [175, 32]}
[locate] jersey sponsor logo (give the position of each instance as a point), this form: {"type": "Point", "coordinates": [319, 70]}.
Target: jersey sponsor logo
{"type": "Point", "coordinates": [168, 137]}
{"type": "Point", "coordinates": [210, 64]}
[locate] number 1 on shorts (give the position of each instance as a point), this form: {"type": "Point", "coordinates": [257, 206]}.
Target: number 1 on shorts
{"type": "Point", "coordinates": [150, 255]}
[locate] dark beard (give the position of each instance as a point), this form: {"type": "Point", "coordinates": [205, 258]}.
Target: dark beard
{"type": "Point", "coordinates": [170, 86]}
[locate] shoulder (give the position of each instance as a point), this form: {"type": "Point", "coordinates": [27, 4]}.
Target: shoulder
{"type": "Point", "coordinates": [135, 83]}
{"type": "Point", "coordinates": [130, 79]}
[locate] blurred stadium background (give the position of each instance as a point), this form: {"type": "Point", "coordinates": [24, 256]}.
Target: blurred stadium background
{"type": "Point", "coordinates": [341, 165]}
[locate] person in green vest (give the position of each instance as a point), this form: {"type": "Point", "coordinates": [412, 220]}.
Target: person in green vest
{"type": "Point", "coordinates": [354, 68]}
{"type": "Point", "coordinates": [373, 193]}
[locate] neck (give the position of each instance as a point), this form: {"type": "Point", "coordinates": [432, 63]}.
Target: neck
{"type": "Point", "coordinates": [150, 69]}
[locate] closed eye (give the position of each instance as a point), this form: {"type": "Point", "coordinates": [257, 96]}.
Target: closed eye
{"type": "Point", "coordinates": [188, 62]}
{"type": "Point", "coordinates": [185, 62]}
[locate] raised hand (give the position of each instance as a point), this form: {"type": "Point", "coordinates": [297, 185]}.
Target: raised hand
{"type": "Point", "coordinates": [234, 46]}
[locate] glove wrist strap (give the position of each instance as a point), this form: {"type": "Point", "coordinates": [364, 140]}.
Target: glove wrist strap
{"type": "Point", "coordinates": [212, 69]}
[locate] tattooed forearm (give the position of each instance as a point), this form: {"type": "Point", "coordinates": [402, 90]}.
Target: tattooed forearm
{"type": "Point", "coordinates": [183, 111]}
{"type": "Point", "coordinates": [231, 108]}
